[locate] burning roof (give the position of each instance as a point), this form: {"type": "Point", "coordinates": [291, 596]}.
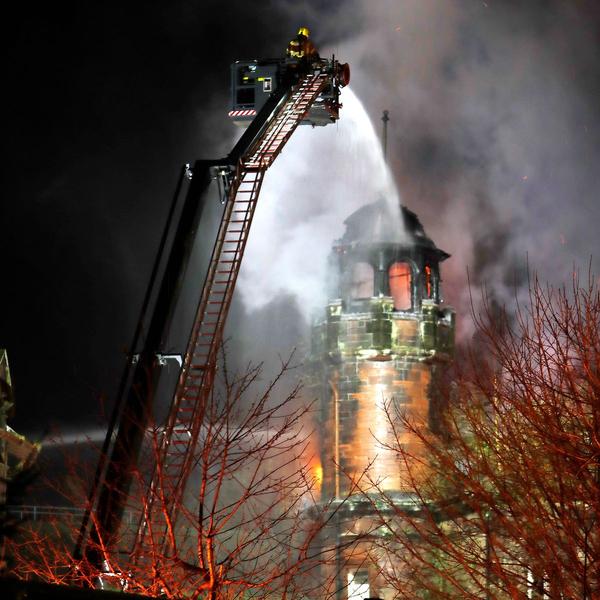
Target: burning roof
{"type": "Point", "coordinates": [378, 222]}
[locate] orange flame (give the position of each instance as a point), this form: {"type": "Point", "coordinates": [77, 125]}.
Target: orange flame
{"type": "Point", "coordinates": [318, 474]}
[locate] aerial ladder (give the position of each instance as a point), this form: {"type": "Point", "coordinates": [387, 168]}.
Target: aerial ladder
{"type": "Point", "coordinates": [285, 94]}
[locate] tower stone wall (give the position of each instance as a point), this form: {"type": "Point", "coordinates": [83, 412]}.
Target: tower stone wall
{"type": "Point", "coordinates": [375, 365]}
{"type": "Point", "coordinates": [380, 347]}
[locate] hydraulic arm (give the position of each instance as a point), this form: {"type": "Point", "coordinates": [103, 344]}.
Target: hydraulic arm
{"type": "Point", "coordinates": [241, 174]}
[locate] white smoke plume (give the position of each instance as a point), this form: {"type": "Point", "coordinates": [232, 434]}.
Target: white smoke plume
{"type": "Point", "coordinates": [494, 142]}
{"type": "Point", "coordinates": [323, 175]}
{"type": "Point", "coordinates": [86, 438]}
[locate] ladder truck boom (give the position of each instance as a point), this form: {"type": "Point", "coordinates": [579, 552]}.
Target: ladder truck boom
{"type": "Point", "coordinates": [297, 87]}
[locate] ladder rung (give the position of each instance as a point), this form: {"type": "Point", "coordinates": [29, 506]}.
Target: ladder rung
{"type": "Point", "coordinates": [193, 398]}
{"type": "Point", "coordinates": [200, 381]}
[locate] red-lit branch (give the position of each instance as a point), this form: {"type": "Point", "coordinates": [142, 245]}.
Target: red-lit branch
{"type": "Point", "coordinates": [509, 494]}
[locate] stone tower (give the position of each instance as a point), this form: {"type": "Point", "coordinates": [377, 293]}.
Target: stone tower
{"type": "Point", "coordinates": [383, 340]}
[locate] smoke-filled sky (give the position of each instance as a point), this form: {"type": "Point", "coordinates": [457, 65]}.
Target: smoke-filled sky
{"type": "Point", "coordinates": [323, 175]}
{"type": "Point", "coordinates": [494, 141]}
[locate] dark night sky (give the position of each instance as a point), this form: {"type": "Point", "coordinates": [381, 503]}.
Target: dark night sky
{"type": "Point", "coordinates": [495, 131]}
{"type": "Point", "coordinates": [108, 100]}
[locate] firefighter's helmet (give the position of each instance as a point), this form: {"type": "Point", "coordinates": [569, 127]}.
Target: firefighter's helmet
{"type": "Point", "coordinates": [305, 31]}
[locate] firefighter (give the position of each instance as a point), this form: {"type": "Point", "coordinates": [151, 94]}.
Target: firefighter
{"type": "Point", "coordinates": [301, 47]}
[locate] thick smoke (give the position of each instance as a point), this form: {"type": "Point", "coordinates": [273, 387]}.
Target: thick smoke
{"type": "Point", "coordinates": [323, 175]}
{"type": "Point", "coordinates": [493, 141]}
{"type": "Point", "coordinates": [494, 136]}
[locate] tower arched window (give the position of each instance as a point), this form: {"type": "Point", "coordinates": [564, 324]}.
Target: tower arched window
{"type": "Point", "coordinates": [362, 281]}
{"type": "Point", "coordinates": [428, 282]}
{"type": "Point", "coordinates": [400, 275]}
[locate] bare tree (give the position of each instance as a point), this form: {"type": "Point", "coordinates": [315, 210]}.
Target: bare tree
{"type": "Point", "coordinates": [510, 503]}
{"type": "Point", "coordinates": [248, 525]}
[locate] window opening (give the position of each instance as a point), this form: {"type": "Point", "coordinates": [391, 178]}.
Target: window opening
{"type": "Point", "coordinates": [428, 285]}
{"type": "Point", "coordinates": [245, 96]}
{"type": "Point", "coordinates": [400, 285]}
{"type": "Point", "coordinates": [358, 585]}
{"type": "Point", "coordinates": [362, 282]}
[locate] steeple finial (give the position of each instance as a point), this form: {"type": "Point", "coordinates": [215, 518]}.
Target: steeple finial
{"type": "Point", "coordinates": [385, 118]}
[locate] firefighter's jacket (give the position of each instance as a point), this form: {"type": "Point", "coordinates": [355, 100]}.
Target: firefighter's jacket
{"type": "Point", "coordinates": [301, 47]}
